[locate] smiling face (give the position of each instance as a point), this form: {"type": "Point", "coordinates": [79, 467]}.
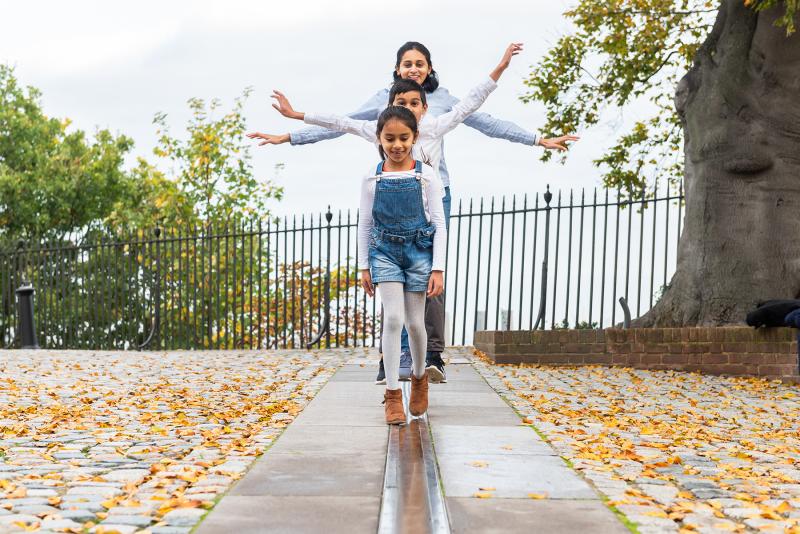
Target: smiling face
{"type": "Point", "coordinates": [414, 66]}
{"type": "Point", "coordinates": [396, 140]}
{"type": "Point", "coordinates": [412, 101]}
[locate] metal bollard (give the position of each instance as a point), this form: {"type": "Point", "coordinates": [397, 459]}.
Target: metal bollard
{"type": "Point", "coordinates": [324, 327]}
{"type": "Point", "coordinates": [548, 196]}
{"type": "Point", "coordinates": [27, 327]}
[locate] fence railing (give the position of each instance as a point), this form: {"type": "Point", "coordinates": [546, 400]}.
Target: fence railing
{"type": "Point", "coordinates": [249, 284]}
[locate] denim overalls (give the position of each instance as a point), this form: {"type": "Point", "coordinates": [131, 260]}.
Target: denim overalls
{"type": "Point", "coordinates": [401, 241]}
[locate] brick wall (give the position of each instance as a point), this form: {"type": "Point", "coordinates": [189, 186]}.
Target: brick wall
{"type": "Point", "coordinates": [767, 352]}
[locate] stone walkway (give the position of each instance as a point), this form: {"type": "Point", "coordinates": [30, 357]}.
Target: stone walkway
{"type": "Point", "coordinates": [325, 473]}
{"type": "Point", "coordinates": [672, 451]}
{"type": "Point", "coordinates": [125, 441]}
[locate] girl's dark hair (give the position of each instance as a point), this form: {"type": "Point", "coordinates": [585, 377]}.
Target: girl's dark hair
{"type": "Point", "coordinates": [402, 86]}
{"type": "Point", "coordinates": [432, 81]}
{"type": "Point", "coordinates": [395, 113]}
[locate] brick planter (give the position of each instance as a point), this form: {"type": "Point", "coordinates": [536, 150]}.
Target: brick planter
{"type": "Point", "coordinates": [769, 353]}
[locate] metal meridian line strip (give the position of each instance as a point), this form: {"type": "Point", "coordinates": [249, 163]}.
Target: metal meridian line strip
{"type": "Point", "coordinates": [436, 505]}
{"type": "Point", "coordinates": [412, 500]}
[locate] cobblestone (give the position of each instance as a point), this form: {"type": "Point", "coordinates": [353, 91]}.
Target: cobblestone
{"type": "Point", "coordinates": [671, 450]}
{"type": "Point", "coordinates": [131, 441]}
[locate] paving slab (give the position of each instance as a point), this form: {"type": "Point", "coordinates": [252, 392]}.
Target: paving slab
{"type": "Point", "coordinates": [512, 476]}
{"type": "Point", "coordinates": [339, 417]}
{"type": "Point", "coordinates": [309, 474]}
{"type": "Point", "coordinates": [472, 415]}
{"type": "Point", "coordinates": [474, 399]}
{"type": "Point", "coordinates": [461, 439]}
{"type": "Point", "coordinates": [296, 515]}
{"type": "Point", "coordinates": [520, 516]}
{"type": "Point", "coordinates": [314, 439]}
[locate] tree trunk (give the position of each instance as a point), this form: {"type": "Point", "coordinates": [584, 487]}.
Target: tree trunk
{"type": "Point", "coordinates": [740, 108]}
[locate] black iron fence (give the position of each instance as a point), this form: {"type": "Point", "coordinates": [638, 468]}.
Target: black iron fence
{"type": "Point", "coordinates": [512, 263]}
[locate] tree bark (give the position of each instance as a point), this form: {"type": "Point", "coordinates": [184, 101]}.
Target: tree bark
{"type": "Point", "coordinates": [740, 109]}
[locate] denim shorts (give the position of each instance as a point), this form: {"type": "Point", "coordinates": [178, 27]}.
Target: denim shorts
{"type": "Point", "coordinates": [402, 258]}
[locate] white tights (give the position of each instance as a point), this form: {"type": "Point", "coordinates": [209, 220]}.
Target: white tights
{"type": "Point", "coordinates": [401, 306]}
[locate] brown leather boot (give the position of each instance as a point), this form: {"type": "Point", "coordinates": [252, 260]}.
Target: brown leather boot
{"type": "Point", "coordinates": [419, 394]}
{"type": "Point", "coordinates": [393, 401]}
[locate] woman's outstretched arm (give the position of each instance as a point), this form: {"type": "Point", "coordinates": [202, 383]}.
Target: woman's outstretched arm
{"type": "Point", "coordinates": [502, 129]}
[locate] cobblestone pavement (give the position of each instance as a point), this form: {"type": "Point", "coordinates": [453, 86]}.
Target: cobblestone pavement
{"type": "Point", "coordinates": [140, 442]}
{"type": "Point", "coordinates": [672, 451]}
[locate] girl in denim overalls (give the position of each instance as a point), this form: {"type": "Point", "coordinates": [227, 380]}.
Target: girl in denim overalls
{"type": "Point", "coordinates": [402, 239]}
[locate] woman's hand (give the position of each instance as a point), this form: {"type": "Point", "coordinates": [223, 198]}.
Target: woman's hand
{"type": "Point", "coordinates": [284, 107]}
{"type": "Point", "coordinates": [366, 283]}
{"type": "Point", "coordinates": [512, 50]}
{"type": "Point", "coordinates": [269, 139]}
{"type": "Point", "coordinates": [558, 143]}
{"type": "Point", "coordinates": [435, 284]}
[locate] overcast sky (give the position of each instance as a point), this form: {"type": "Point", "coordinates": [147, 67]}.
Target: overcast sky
{"type": "Point", "coordinates": [114, 65]}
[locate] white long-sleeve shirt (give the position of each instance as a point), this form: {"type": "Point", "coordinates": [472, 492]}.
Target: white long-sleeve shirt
{"type": "Point", "coordinates": [429, 145]}
{"type": "Point", "coordinates": [432, 194]}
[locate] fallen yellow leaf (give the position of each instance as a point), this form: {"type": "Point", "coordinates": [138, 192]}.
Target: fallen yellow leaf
{"type": "Point", "coordinates": [783, 507]}
{"type": "Point", "coordinates": [656, 513]}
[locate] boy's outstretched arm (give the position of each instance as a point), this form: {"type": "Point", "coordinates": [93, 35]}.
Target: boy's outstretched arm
{"type": "Point", "coordinates": [475, 98]}
{"type": "Point", "coordinates": [337, 123]}
{"type": "Point", "coordinates": [512, 50]}
{"type": "Point", "coordinates": [367, 130]}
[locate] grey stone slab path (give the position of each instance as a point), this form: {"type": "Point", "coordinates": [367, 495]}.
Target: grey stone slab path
{"type": "Point", "coordinates": [325, 472]}
{"type": "Point", "coordinates": [491, 465]}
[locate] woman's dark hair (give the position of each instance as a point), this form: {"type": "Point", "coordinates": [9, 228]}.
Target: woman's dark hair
{"type": "Point", "coordinates": [402, 86]}
{"type": "Point", "coordinates": [432, 81]}
{"type": "Point", "coordinates": [395, 113]}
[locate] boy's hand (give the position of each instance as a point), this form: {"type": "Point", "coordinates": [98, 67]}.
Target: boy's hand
{"type": "Point", "coordinates": [435, 284]}
{"type": "Point", "coordinates": [512, 50]}
{"type": "Point", "coordinates": [284, 107]}
{"type": "Point", "coordinates": [366, 283]}
{"type": "Point", "coordinates": [269, 139]}
{"type": "Point", "coordinates": [558, 143]}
